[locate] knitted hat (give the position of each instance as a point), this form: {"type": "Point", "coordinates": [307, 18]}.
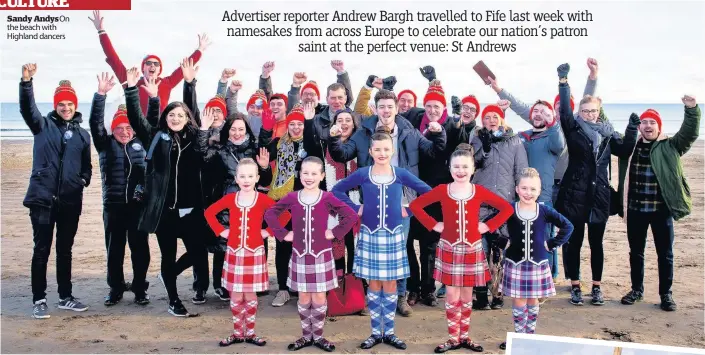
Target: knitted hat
{"type": "Point", "coordinates": [493, 108]}
{"type": "Point", "coordinates": [65, 92]}
{"type": "Point", "coordinates": [119, 118]}
{"type": "Point", "coordinates": [312, 85]}
{"type": "Point", "coordinates": [471, 99]}
{"type": "Point", "coordinates": [259, 94]}
{"type": "Point", "coordinates": [652, 114]}
{"type": "Point", "coordinates": [219, 102]}
{"type": "Point", "coordinates": [280, 97]}
{"type": "Point", "coordinates": [558, 99]}
{"type": "Point", "coordinates": [152, 56]}
{"type": "Point", "coordinates": [407, 92]}
{"type": "Point", "coordinates": [545, 103]}
{"type": "Point", "coordinates": [296, 114]}
{"type": "Point", "coordinates": [435, 92]}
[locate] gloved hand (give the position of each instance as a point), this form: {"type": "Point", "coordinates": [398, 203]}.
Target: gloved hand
{"type": "Point", "coordinates": [389, 82]}
{"type": "Point", "coordinates": [267, 120]}
{"type": "Point", "coordinates": [370, 80]}
{"type": "Point", "coordinates": [486, 139]}
{"type": "Point", "coordinates": [428, 72]}
{"type": "Point", "coordinates": [456, 104]}
{"type": "Point", "coordinates": [563, 70]}
{"type": "Point", "coordinates": [634, 120]}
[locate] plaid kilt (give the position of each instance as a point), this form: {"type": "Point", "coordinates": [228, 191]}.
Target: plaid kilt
{"type": "Point", "coordinates": [461, 265]}
{"type": "Point", "coordinates": [381, 255]}
{"type": "Point", "coordinates": [527, 280]}
{"type": "Point", "coordinates": [245, 271]}
{"type": "Point", "coordinates": [312, 274]}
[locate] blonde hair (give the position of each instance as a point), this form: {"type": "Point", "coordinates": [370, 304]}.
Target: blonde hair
{"type": "Point", "coordinates": [588, 99]}
{"type": "Point", "coordinates": [529, 173]}
{"type": "Point", "coordinates": [246, 161]}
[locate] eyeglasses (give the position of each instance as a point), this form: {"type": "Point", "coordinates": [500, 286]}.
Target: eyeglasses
{"type": "Point", "coordinates": [590, 111]}
{"type": "Point", "coordinates": [468, 109]}
{"type": "Point", "coordinates": [123, 129]}
{"type": "Point", "coordinates": [150, 63]}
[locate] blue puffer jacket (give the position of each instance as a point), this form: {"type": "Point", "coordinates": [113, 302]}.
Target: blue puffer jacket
{"type": "Point", "coordinates": [543, 150]}
{"type": "Point", "coordinates": [122, 166]}
{"type": "Point", "coordinates": [61, 157]}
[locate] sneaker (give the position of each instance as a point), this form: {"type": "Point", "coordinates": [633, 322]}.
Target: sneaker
{"type": "Point", "coordinates": [497, 303]}
{"type": "Point", "coordinates": [632, 297]}
{"type": "Point", "coordinates": [222, 294]}
{"type": "Point", "coordinates": [430, 300]}
{"type": "Point", "coordinates": [667, 303]}
{"type": "Point", "coordinates": [177, 309]}
{"type": "Point", "coordinates": [480, 305]}
{"type": "Point", "coordinates": [199, 297]}
{"type": "Point", "coordinates": [72, 303]}
{"type": "Point", "coordinates": [441, 293]}
{"type": "Point", "coordinates": [40, 310]}
{"type": "Point", "coordinates": [403, 306]}
{"type": "Point", "coordinates": [142, 298]}
{"type": "Point", "coordinates": [576, 296]}
{"type": "Point", "coordinates": [597, 297]}
{"type": "Point", "coordinates": [112, 298]}
{"type": "Point", "coordinates": [281, 298]}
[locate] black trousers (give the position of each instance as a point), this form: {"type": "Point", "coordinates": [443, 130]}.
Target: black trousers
{"type": "Point", "coordinates": [493, 254]}
{"type": "Point", "coordinates": [350, 251]}
{"type": "Point", "coordinates": [282, 255]}
{"type": "Point", "coordinates": [43, 221]}
{"type": "Point", "coordinates": [661, 224]}
{"type": "Point", "coordinates": [421, 271]}
{"type": "Point", "coordinates": [190, 229]}
{"type": "Point", "coordinates": [120, 223]}
{"type": "Point", "coordinates": [596, 232]}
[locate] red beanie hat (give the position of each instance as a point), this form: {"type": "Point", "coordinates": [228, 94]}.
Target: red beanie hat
{"type": "Point", "coordinates": [493, 108]}
{"type": "Point", "coordinates": [280, 97]}
{"type": "Point", "coordinates": [120, 117]}
{"type": "Point", "coordinates": [259, 94]}
{"type": "Point", "coordinates": [653, 114]}
{"type": "Point", "coordinates": [311, 85]}
{"type": "Point", "coordinates": [407, 92]}
{"type": "Point", "coordinates": [65, 92]}
{"type": "Point", "coordinates": [435, 92]}
{"type": "Point", "coordinates": [296, 114]}
{"type": "Point", "coordinates": [545, 103]}
{"type": "Point", "coordinates": [152, 56]}
{"type": "Point", "coordinates": [556, 102]}
{"type": "Point", "coordinates": [218, 101]}
{"type": "Point", "coordinates": [471, 99]}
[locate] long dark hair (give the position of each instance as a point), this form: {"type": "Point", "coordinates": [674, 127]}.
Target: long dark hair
{"type": "Point", "coordinates": [355, 118]}
{"type": "Point", "coordinates": [225, 131]}
{"type": "Point", "coordinates": [189, 129]}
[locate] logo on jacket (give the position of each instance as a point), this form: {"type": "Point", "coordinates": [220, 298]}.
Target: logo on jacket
{"type": "Point", "coordinates": [166, 137]}
{"type": "Point", "coordinates": [136, 146]}
{"type": "Point", "coordinates": [68, 134]}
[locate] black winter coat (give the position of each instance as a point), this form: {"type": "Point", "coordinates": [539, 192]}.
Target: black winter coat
{"type": "Point", "coordinates": [122, 166]}
{"type": "Point", "coordinates": [584, 194]}
{"type": "Point", "coordinates": [173, 178]}
{"type": "Point", "coordinates": [61, 156]}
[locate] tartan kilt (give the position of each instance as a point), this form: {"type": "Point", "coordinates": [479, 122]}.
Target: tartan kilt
{"type": "Point", "coordinates": [527, 280]}
{"type": "Point", "coordinates": [245, 271]}
{"type": "Point", "coordinates": [381, 255]}
{"type": "Point", "coordinates": [312, 274]}
{"type": "Point", "coordinates": [461, 265]}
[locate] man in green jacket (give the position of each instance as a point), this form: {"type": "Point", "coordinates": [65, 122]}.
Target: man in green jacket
{"type": "Point", "coordinates": [656, 194]}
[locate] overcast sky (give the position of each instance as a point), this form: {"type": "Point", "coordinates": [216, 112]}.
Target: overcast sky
{"type": "Point", "coordinates": [654, 57]}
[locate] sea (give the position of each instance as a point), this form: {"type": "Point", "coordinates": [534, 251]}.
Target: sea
{"type": "Point", "coordinates": [13, 127]}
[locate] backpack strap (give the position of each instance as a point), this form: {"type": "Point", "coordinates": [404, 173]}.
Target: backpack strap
{"type": "Point", "coordinates": [155, 140]}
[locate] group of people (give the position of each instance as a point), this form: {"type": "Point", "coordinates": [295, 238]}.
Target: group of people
{"type": "Point", "coordinates": [347, 188]}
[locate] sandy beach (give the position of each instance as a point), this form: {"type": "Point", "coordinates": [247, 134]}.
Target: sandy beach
{"type": "Point", "coordinates": [129, 328]}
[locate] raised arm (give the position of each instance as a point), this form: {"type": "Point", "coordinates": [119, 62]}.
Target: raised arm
{"type": "Point", "coordinates": [223, 82]}
{"type": "Point", "coordinates": [624, 146]}
{"type": "Point", "coordinates": [690, 127]}
{"type": "Point", "coordinates": [343, 152]}
{"type": "Point", "coordinates": [28, 108]}
{"type": "Point", "coordinates": [419, 203]}
{"type": "Point", "coordinates": [231, 96]}
{"type": "Point", "coordinates": [265, 80]}
{"type": "Point", "coordinates": [519, 107]}
{"type": "Point", "coordinates": [556, 140]}
{"type": "Point", "coordinates": [143, 129]}
{"type": "Point", "coordinates": [591, 84]}
{"type": "Point", "coordinates": [566, 113]}
{"type": "Point", "coordinates": [435, 144]}
{"type": "Point", "coordinates": [175, 78]}
{"type": "Point", "coordinates": [189, 71]}
{"type": "Point", "coordinates": [97, 119]}
{"type": "Point", "coordinates": [344, 79]}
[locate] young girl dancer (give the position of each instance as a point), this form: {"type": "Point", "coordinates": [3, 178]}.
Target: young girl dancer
{"type": "Point", "coordinates": [311, 267]}
{"type": "Point", "coordinates": [380, 256]}
{"type": "Point", "coordinates": [460, 260]}
{"type": "Point", "coordinates": [527, 274]}
{"type": "Point", "coordinates": [245, 267]}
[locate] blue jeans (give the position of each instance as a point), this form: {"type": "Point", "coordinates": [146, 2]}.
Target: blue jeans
{"type": "Point", "coordinates": [401, 284]}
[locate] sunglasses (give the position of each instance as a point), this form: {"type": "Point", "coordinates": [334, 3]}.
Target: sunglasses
{"type": "Point", "coordinates": [150, 63]}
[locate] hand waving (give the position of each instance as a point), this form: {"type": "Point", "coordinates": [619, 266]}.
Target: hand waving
{"type": "Point", "coordinates": [151, 86]}
{"type": "Point", "coordinates": [207, 118]}
{"type": "Point", "coordinates": [309, 111]}
{"type": "Point", "coordinates": [97, 20]}
{"type": "Point", "coordinates": [203, 42]}
{"type": "Point", "coordinates": [189, 70]}
{"type": "Point", "coordinates": [133, 76]}
{"type": "Point", "coordinates": [105, 83]}
{"type": "Point", "coordinates": [263, 158]}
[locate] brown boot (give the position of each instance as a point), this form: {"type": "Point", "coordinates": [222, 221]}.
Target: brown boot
{"type": "Point", "coordinates": [403, 306]}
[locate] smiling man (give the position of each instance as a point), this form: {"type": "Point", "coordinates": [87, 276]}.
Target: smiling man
{"type": "Point", "coordinates": [655, 193]}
